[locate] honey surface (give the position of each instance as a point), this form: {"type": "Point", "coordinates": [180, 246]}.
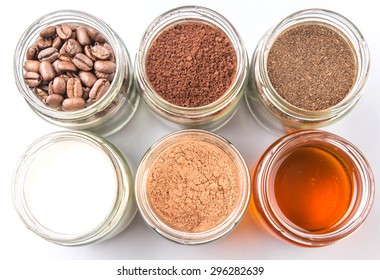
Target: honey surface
{"type": "Point", "coordinates": [312, 188]}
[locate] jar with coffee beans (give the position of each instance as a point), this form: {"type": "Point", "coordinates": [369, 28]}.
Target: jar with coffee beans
{"type": "Point", "coordinates": [75, 72]}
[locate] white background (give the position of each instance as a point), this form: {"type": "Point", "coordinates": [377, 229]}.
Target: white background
{"type": "Point", "coordinates": [251, 18]}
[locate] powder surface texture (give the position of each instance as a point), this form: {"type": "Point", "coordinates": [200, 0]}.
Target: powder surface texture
{"type": "Point", "coordinates": [191, 64]}
{"type": "Point", "coordinates": [311, 66]}
{"type": "Point", "coordinates": [70, 187]}
{"type": "Point", "coordinates": [193, 186]}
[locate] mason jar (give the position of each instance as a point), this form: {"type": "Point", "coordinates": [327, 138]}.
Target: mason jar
{"type": "Point", "coordinates": [211, 116]}
{"type": "Point", "coordinates": [74, 188]}
{"type": "Point", "coordinates": [118, 104]}
{"type": "Point", "coordinates": [192, 195]}
{"type": "Point", "coordinates": [332, 205]}
{"type": "Point", "coordinates": [277, 114]}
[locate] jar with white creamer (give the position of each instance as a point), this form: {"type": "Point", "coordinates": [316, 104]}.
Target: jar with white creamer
{"type": "Point", "coordinates": [74, 188]}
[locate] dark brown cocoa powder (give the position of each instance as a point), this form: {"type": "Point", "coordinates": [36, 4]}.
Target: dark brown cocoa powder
{"type": "Point", "coordinates": [311, 66]}
{"type": "Point", "coordinates": [191, 64]}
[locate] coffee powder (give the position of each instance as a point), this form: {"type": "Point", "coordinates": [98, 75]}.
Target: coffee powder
{"type": "Point", "coordinates": [191, 64]}
{"type": "Point", "coordinates": [311, 66]}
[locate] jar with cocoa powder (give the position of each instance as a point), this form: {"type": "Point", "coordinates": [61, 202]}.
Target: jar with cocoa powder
{"type": "Point", "coordinates": [74, 71]}
{"type": "Point", "coordinates": [191, 68]}
{"type": "Point", "coordinates": [307, 71]}
{"type": "Point", "coordinates": [192, 186]}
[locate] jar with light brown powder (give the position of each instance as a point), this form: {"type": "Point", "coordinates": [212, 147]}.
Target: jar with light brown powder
{"type": "Point", "coordinates": [192, 187]}
{"type": "Point", "coordinates": [308, 71]}
{"type": "Point", "coordinates": [191, 68]}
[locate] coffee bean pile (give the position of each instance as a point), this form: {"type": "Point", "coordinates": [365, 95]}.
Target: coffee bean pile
{"type": "Point", "coordinates": [69, 67]}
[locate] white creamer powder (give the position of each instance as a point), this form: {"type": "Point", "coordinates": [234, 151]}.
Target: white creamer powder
{"type": "Point", "coordinates": [70, 187]}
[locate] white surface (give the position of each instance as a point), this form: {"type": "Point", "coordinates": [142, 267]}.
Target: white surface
{"type": "Point", "coordinates": [251, 18]}
{"type": "Point", "coordinates": [64, 177]}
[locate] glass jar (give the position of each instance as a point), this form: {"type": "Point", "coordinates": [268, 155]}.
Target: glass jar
{"type": "Point", "coordinates": [148, 163]}
{"type": "Point", "coordinates": [109, 113]}
{"type": "Point", "coordinates": [275, 113]}
{"type": "Point", "coordinates": [211, 116]}
{"type": "Point", "coordinates": [74, 188]}
{"type": "Point", "coordinates": [265, 200]}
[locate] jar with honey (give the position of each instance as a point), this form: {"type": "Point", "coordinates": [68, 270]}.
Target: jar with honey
{"type": "Point", "coordinates": [312, 188]}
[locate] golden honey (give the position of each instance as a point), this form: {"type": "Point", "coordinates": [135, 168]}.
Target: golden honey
{"type": "Point", "coordinates": [312, 188]}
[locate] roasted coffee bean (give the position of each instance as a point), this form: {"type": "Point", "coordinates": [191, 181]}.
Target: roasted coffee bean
{"type": "Point", "coordinates": [57, 43]}
{"type": "Point", "coordinates": [40, 93]}
{"type": "Point", "coordinates": [95, 35]}
{"type": "Point", "coordinates": [32, 79]}
{"type": "Point", "coordinates": [110, 77]}
{"type": "Point", "coordinates": [83, 62]}
{"type": "Point", "coordinates": [32, 66]}
{"type": "Point", "coordinates": [47, 71]}
{"type": "Point", "coordinates": [31, 52]}
{"type": "Point", "coordinates": [65, 76]}
{"type": "Point", "coordinates": [64, 31]}
{"type": "Point", "coordinates": [101, 75]}
{"type": "Point", "coordinates": [63, 48]}
{"type": "Point", "coordinates": [104, 66]}
{"type": "Point", "coordinates": [43, 43]}
{"type": "Point", "coordinates": [58, 86]}
{"type": "Point", "coordinates": [99, 89]}
{"type": "Point", "coordinates": [49, 54]}
{"type": "Point", "coordinates": [82, 36]}
{"type": "Point", "coordinates": [112, 54]}
{"type": "Point", "coordinates": [65, 57]}
{"type": "Point", "coordinates": [88, 52]}
{"type": "Point", "coordinates": [73, 47]}
{"type": "Point", "coordinates": [74, 88]}
{"type": "Point", "coordinates": [65, 66]}
{"type": "Point", "coordinates": [48, 32]}
{"type": "Point", "coordinates": [88, 79]}
{"type": "Point", "coordinates": [100, 52]}
{"type": "Point", "coordinates": [55, 67]}
{"type": "Point", "coordinates": [54, 101]}
{"type": "Point", "coordinates": [73, 104]}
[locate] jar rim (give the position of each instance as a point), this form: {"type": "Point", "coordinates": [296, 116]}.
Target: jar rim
{"type": "Point", "coordinates": [363, 189]}
{"type": "Point", "coordinates": [73, 17]}
{"type": "Point", "coordinates": [199, 14]}
{"type": "Point", "coordinates": [122, 198]}
{"type": "Point", "coordinates": [191, 237]}
{"type": "Point", "coordinates": [348, 31]}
